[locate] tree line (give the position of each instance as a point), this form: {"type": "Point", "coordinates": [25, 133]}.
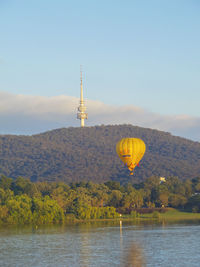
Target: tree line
{"type": "Point", "coordinates": [25, 202]}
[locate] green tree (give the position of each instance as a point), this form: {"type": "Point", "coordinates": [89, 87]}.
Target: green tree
{"type": "Point", "coordinates": [112, 185]}
{"type": "Point", "coordinates": [132, 200]}
{"type": "Point", "coordinates": [46, 211]}
{"type": "Point", "coordinates": [177, 200]}
{"type": "Point", "coordinates": [115, 198]}
{"type": "Point", "coordinates": [197, 187]}
{"type": "Point", "coordinates": [5, 182]}
{"type": "Point", "coordinates": [163, 199]}
{"type": "Point", "coordinates": [5, 195]}
{"type": "Point", "coordinates": [3, 214]}
{"type": "Point", "coordinates": [60, 196]}
{"type": "Point", "coordinates": [194, 203]}
{"type": "Point", "coordinates": [19, 210]}
{"type": "Point", "coordinates": [188, 188]}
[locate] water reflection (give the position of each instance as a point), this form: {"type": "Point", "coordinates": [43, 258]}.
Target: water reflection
{"type": "Point", "coordinates": [102, 244]}
{"type": "Point", "coordinates": [134, 257]}
{"type": "Point", "coordinates": [121, 235]}
{"type": "Point", "coordinates": [85, 250]}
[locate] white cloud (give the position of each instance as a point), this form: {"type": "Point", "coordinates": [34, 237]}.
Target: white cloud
{"type": "Point", "coordinates": [26, 114]}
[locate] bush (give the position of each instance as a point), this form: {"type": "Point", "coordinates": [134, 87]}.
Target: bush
{"type": "Point", "coordinates": [134, 214]}
{"type": "Point", "coordinates": [195, 209]}
{"type": "Point", "coordinates": [156, 215]}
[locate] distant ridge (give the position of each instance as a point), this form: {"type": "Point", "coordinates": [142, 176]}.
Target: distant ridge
{"type": "Point", "coordinates": [88, 154]}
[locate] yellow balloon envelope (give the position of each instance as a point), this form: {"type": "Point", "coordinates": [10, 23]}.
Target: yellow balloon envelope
{"type": "Point", "coordinates": [130, 151]}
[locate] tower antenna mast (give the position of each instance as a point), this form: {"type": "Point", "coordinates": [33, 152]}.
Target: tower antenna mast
{"type": "Point", "coordinates": [82, 115]}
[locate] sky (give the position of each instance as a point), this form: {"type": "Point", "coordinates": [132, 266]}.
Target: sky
{"type": "Point", "coordinates": [140, 58]}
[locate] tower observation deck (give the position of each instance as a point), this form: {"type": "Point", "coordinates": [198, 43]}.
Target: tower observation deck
{"type": "Point", "coordinates": [82, 115]}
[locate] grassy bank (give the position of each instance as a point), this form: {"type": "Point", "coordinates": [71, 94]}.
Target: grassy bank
{"type": "Point", "coordinates": [169, 215]}
{"type": "Point", "coordinates": [174, 214]}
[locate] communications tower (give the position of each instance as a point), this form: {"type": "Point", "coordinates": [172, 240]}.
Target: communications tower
{"type": "Point", "coordinates": [82, 115]}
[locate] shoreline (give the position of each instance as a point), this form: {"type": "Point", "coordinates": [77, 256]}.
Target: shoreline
{"type": "Point", "coordinates": [169, 216]}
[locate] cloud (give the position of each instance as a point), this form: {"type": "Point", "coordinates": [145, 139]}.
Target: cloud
{"type": "Point", "coordinates": [26, 114]}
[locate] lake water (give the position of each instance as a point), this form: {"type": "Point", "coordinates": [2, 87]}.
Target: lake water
{"type": "Point", "coordinates": [102, 244]}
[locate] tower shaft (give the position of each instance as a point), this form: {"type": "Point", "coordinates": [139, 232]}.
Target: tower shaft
{"type": "Point", "coordinates": [81, 96]}
{"type": "Point", "coordinates": [82, 115]}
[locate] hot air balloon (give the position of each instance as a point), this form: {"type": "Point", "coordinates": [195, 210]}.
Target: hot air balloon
{"type": "Point", "coordinates": [130, 151]}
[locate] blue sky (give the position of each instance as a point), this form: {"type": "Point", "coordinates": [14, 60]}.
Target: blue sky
{"type": "Point", "coordinates": [141, 53]}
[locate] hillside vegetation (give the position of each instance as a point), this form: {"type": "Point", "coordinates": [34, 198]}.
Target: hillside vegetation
{"type": "Point", "coordinates": [88, 154]}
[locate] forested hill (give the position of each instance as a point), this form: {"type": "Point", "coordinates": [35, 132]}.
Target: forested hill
{"type": "Point", "coordinates": [77, 154]}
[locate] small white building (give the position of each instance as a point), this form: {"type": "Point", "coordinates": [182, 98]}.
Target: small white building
{"type": "Point", "coordinates": [162, 180]}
